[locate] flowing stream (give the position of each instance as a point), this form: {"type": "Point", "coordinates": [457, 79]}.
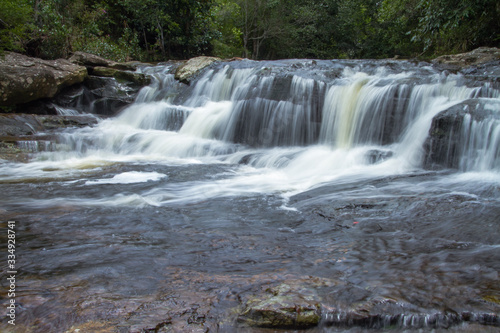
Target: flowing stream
{"type": "Point", "coordinates": [309, 173]}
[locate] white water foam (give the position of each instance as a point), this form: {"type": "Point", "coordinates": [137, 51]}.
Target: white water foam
{"type": "Point", "coordinates": [128, 178]}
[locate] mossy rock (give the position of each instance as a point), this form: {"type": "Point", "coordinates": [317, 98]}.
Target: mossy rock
{"type": "Point", "coordinates": [281, 312]}
{"type": "Point", "coordinates": [122, 76]}
{"type": "Point", "coordinates": [282, 309]}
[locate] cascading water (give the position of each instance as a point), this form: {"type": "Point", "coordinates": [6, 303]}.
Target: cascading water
{"type": "Point", "coordinates": [306, 168]}
{"type": "Point", "coordinates": [308, 129]}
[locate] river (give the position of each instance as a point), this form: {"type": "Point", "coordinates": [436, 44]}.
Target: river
{"type": "Point", "coordinates": [174, 214]}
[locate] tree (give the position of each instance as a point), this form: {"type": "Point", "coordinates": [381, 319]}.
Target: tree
{"type": "Point", "coordinates": [228, 35]}
{"type": "Point", "coordinates": [176, 28]}
{"type": "Point", "coordinates": [457, 25]}
{"type": "Point", "coordinates": [260, 21]}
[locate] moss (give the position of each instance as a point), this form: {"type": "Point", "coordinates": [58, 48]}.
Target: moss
{"type": "Point", "coordinates": [492, 299]}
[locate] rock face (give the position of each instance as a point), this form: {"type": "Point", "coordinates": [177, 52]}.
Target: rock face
{"type": "Point", "coordinates": [24, 79]}
{"type": "Point", "coordinates": [110, 86]}
{"type": "Point", "coordinates": [476, 57]}
{"type": "Point", "coordinates": [84, 83]}
{"type": "Point", "coordinates": [192, 67]}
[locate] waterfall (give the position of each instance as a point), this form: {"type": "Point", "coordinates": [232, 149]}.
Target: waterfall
{"type": "Point", "coordinates": [257, 106]}
{"type": "Point", "coordinates": [481, 149]}
{"type": "Point", "coordinates": [291, 126]}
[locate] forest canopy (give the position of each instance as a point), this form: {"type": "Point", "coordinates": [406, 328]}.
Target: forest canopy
{"type": "Point", "coordinates": [158, 30]}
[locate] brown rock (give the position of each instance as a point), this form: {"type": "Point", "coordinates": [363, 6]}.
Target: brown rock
{"type": "Point", "coordinates": [24, 79]}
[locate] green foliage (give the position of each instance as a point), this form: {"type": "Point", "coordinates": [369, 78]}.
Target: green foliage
{"type": "Point", "coordinates": [157, 30]}
{"type": "Point", "coordinates": [457, 25]}
{"type": "Point", "coordinates": [15, 24]}
{"type": "Point", "coordinates": [228, 35]}
{"type": "Point", "coordinates": [124, 49]}
{"type": "Point", "coordinates": [171, 29]}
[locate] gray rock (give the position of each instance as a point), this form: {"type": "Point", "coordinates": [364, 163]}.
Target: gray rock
{"type": "Point", "coordinates": [29, 124]}
{"type": "Point", "coordinates": [192, 67]}
{"type": "Point", "coordinates": [91, 60]}
{"type": "Point", "coordinates": [24, 134]}
{"type": "Point", "coordinates": [476, 57]}
{"type": "Point", "coordinates": [24, 79]}
{"type": "Point", "coordinates": [19, 124]}
{"type": "Point", "coordinates": [445, 142]}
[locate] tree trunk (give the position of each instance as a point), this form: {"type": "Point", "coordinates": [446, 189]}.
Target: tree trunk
{"type": "Point", "coordinates": [162, 40]}
{"type": "Point", "coordinates": [146, 45]}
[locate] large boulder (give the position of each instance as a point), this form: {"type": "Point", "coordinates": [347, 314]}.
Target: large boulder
{"type": "Point", "coordinates": [192, 67]}
{"type": "Point", "coordinates": [108, 87]}
{"type": "Point", "coordinates": [24, 79]}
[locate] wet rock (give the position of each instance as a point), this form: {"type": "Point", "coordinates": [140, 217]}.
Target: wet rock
{"type": "Point", "coordinates": [375, 156]}
{"type": "Point", "coordinates": [19, 124]}
{"type": "Point", "coordinates": [447, 139]}
{"type": "Point", "coordinates": [108, 95]}
{"type": "Point", "coordinates": [50, 122]}
{"type": "Point", "coordinates": [24, 79]}
{"type": "Point", "coordinates": [19, 133]}
{"type": "Point", "coordinates": [29, 124]}
{"type": "Point", "coordinates": [193, 66]}
{"type": "Point", "coordinates": [386, 313]}
{"type": "Point", "coordinates": [104, 96]}
{"type": "Point", "coordinates": [283, 308]}
{"type": "Point", "coordinates": [126, 77]}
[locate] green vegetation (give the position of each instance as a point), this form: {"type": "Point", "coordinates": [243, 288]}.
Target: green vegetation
{"type": "Point", "coordinates": [157, 30]}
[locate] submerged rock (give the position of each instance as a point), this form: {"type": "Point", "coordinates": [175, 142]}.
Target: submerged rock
{"type": "Point", "coordinates": [189, 69]}
{"type": "Point", "coordinates": [24, 79]}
